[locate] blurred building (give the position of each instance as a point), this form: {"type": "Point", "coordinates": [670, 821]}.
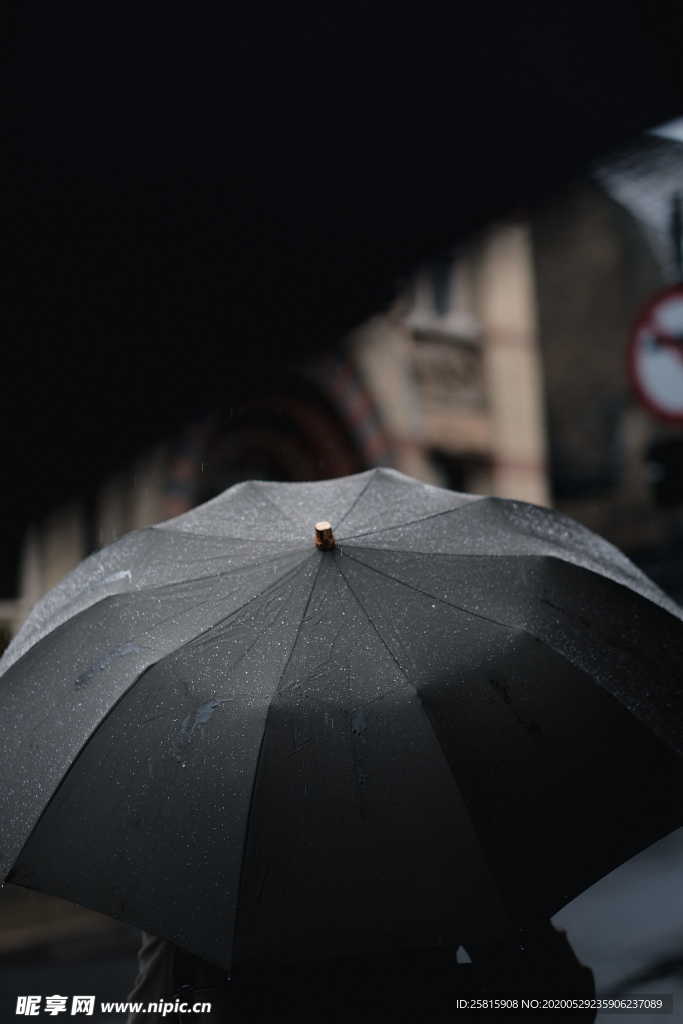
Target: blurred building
{"type": "Point", "coordinates": [601, 252]}
{"type": "Point", "coordinates": [444, 386]}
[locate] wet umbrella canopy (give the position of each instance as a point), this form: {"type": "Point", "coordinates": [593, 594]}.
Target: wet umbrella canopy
{"type": "Point", "coordinates": [430, 716]}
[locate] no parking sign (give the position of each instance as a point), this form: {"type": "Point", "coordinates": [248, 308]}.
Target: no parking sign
{"type": "Point", "coordinates": [656, 355]}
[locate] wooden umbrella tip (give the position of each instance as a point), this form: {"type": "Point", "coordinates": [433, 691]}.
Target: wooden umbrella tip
{"type": "Point", "coordinates": [324, 538]}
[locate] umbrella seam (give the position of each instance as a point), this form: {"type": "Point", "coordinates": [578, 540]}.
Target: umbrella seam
{"type": "Point", "coordinates": [433, 732]}
{"type": "Point", "coordinates": [214, 536]}
{"type": "Point", "coordinates": [259, 758]}
{"type": "Point", "coordinates": [122, 697]}
{"type": "Point", "coordinates": [517, 627]}
{"type": "Point", "coordinates": [194, 607]}
{"type": "Point", "coordinates": [246, 567]}
{"type": "Point", "coordinates": [144, 591]}
{"type": "Point", "coordinates": [486, 618]}
{"type": "Point", "coordinates": [219, 622]}
{"type": "Point", "coordinates": [355, 501]}
{"type": "Point", "coordinates": [270, 501]}
{"type": "Point", "coordinates": [204, 634]}
{"type": "Point", "coordinates": [180, 647]}
{"type": "Point", "coordinates": [601, 574]}
{"type": "Point", "coordinates": [425, 593]}
{"type": "Point", "coordinates": [421, 519]}
{"type": "Point", "coordinates": [301, 623]}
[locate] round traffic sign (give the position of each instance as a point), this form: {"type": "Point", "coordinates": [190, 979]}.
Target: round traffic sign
{"type": "Point", "coordinates": [656, 354]}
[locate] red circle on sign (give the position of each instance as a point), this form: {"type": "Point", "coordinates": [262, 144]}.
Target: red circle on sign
{"type": "Point", "coordinates": [643, 322]}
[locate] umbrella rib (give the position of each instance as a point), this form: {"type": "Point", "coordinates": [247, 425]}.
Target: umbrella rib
{"type": "Point", "coordinates": [276, 506]}
{"type": "Point", "coordinates": [259, 754]}
{"type": "Point", "coordinates": [188, 643]}
{"type": "Point", "coordinates": [435, 597]}
{"type": "Point", "coordinates": [484, 555]}
{"type": "Point", "coordinates": [420, 519]}
{"type": "Point", "coordinates": [165, 586]}
{"type": "Point", "coordinates": [154, 664]}
{"type": "Point", "coordinates": [219, 622]}
{"type": "Point", "coordinates": [480, 615]}
{"type": "Point", "coordinates": [247, 567]}
{"type": "Point", "coordinates": [603, 572]}
{"type": "Point", "coordinates": [216, 536]}
{"type": "Point", "coordinates": [201, 636]}
{"type": "Point", "coordinates": [404, 673]}
{"type": "Point", "coordinates": [247, 649]}
{"type": "Point", "coordinates": [254, 597]}
{"type": "Point", "coordinates": [519, 627]}
{"type": "Point", "coordinates": [354, 502]}
{"type": "Point", "coordinates": [301, 624]}
{"type": "Point", "coordinates": [374, 626]}
{"type": "Point", "coordinates": [210, 536]}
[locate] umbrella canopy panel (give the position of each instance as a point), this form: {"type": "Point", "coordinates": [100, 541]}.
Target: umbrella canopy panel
{"type": "Point", "coordinates": [460, 716]}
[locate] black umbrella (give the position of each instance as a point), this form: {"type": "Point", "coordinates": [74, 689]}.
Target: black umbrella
{"type": "Point", "coordinates": [447, 714]}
